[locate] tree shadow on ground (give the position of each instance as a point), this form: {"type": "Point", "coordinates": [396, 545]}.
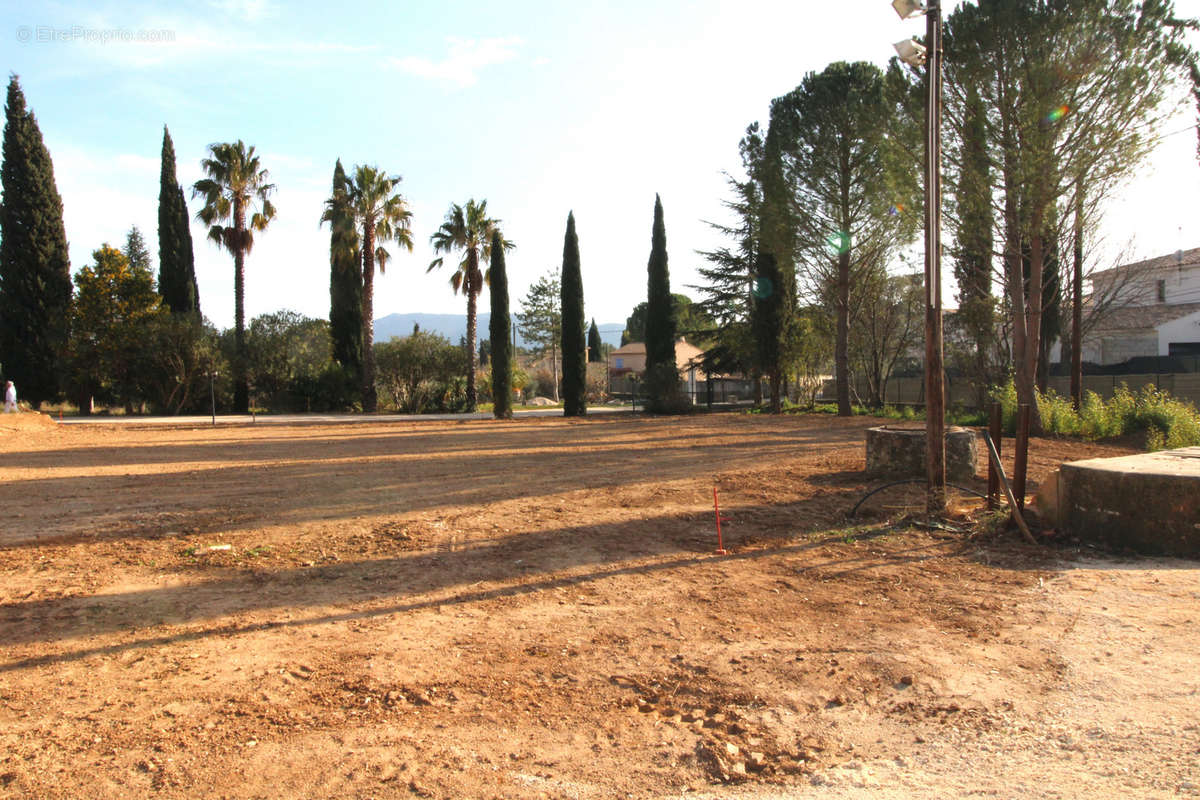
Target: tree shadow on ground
{"type": "Point", "coordinates": [504, 566]}
{"type": "Point", "coordinates": [368, 473]}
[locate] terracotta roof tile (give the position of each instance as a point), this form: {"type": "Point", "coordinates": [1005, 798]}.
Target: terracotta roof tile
{"type": "Point", "coordinates": [1180, 258]}
{"type": "Point", "coordinates": [1142, 317]}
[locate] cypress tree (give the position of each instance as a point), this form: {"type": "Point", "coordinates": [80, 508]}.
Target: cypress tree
{"type": "Point", "coordinates": [662, 375]}
{"type": "Point", "coordinates": [595, 345]}
{"type": "Point", "coordinates": [574, 360]}
{"type": "Point", "coordinates": [973, 256]}
{"type": "Point", "coordinates": [498, 329]}
{"type": "Point", "coordinates": [345, 281]}
{"type": "Point", "coordinates": [778, 233]}
{"type": "Point", "coordinates": [35, 270]}
{"type": "Point", "coordinates": [770, 314]}
{"type": "Point", "coordinates": [176, 261]}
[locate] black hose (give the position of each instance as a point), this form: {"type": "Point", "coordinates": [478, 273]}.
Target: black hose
{"type": "Point", "coordinates": [854, 510]}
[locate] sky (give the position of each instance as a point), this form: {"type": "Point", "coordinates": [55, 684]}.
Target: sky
{"type": "Point", "coordinates": [540, 107]}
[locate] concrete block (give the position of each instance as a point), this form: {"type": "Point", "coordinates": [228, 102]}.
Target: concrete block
{"type": "Point", "coordinates": [900, 452]}
{"type": "Point", "coordinates": [1149, 502]}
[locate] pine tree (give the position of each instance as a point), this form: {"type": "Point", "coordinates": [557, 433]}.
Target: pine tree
{"type": "Point", "coordinates": [574, 360]}
{"type": "Point", "coordinates": [662, 375]}
{"type": "Point", "coordinates": [176, 260]}
{"type": "Point", "coordinates": [595, 345]}
{"type": "Point", "coordinates": [540, 320]}
{"type": "Point", "coordinates": [1110, 65]}
{"type": "Point", "coordinates": [136, 251]}
{"type": "Point", "coordinates": [345, 281]}
{"type": "Point", "coordinates": [832, 130]}
{"type": "Point", "coordinates": [114, 306]}
{"type": "Point", "coordinates": [35, 270]}
{"type": "Point", "coordinates": [1051, 295]}
{"type": "Point", "coordinates": [728, 281]}
{"type": "Point", "coordinates": [498, 328]}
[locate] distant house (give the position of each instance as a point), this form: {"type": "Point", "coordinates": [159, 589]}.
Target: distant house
{"type": "Point", "coordinates": [630, 359]}
{"type": "Point", "coordinates": [1148, 308]}
{"type": "Point", "coordinates": [627, 365]}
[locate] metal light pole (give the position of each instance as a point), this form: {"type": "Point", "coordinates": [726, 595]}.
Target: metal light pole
{"type": "Point", "coordinates": [935, 387]}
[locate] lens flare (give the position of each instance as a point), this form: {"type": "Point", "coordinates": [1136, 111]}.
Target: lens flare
{"type": "Point", "coordinates": [762, 287]}
{"type": "Point", "coordinates": [896, 210]}
{"type": "Point", "coordinates": [839, 242]}
{"type": "Point", "coordinates": [1058, 113]}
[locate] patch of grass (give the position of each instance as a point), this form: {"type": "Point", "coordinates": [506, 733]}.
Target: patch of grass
{"type": "Point", "coordinates": [967, 417]}
{"type": "Point", "coordinates": [829, 408]}
{"type": "Point", "coordinates": [955, 416]}
{"type": "Point", "coordinates": [57, 409]}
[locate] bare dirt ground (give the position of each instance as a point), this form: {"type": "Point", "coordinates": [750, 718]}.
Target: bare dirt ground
{"type": "Point", "coordinates": [533, 609]}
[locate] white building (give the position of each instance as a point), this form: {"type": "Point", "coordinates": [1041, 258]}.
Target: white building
{"type": "Point", "coordinates": [1152, 309]}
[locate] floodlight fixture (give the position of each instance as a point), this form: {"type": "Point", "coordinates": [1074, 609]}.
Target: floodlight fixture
{"type": "Point", "coordinates": [907, 9]}
{"type": "Point", "coordinates": [911, 52]}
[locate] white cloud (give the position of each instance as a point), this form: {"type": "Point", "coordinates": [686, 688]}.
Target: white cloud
{"type": "Point", "coordinates": [200, 42]}
{"type": "Point", "coordinates": [156, 41]}
{"type": "Point", "coordinates": [249, 10]}
{"type": "Point", "coordinates": [129, 162]}
{"type": "Point", "coordinates": [284, 161]}
{"type": "Point", "coordinates": [103, 195]}
{"type": "Point", "coordinates": [466, 57]}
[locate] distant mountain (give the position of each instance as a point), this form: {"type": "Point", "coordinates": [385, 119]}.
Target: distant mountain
{"type": "Point", "coordinates": [454, 327]}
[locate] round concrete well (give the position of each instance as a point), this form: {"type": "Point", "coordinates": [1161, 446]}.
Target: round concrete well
{"type": "Point", "coordinates": [900, 452]}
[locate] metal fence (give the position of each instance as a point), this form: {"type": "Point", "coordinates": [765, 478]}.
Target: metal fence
{"type": "Point", "coordinates": [724, 390]}
{"type": "Point", "coordinates": [959, 392]}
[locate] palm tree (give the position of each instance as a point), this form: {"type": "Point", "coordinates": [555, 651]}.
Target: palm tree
{"type": "Point", "coordinates": [235, 184]}
{"type": "Point", "coordinates": [369, 199]}
{"type": "Point", "coordinates": [470, 230]}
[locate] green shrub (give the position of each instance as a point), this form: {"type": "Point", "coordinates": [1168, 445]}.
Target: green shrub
{"type": "Point", "coordinates": [1058, 414]}
{"type": "Point", "coordinates": [1168, 422]}
{"type": "Point", "coordinates": [1097, 419]}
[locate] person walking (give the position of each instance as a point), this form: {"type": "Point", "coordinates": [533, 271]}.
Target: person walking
{"type": "Point", "coordinates": [10, 398]}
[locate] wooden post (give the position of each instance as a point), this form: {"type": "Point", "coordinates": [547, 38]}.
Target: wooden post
{"type": "Point", "coordinates": [1021, 455]}
{"type": "Point", "coordinates": [996, 432]}
{"type": "Point", "coordinates": [1018, 517]}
